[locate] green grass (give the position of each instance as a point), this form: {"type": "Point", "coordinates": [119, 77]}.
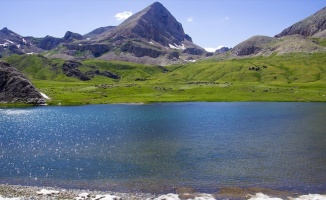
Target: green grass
{"type": "Point", "coordinates": [290, 77]}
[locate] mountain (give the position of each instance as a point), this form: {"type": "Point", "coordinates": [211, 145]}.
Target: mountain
{"type": "Point", "coordinates": [16, 88]}
{"type": "Point", "coordinates": [266, 46]}
{"type": "Point", "coordinates": [307, 36]}
{"type": "Point", "coordinates": [154, 23]}
{"type": "Point", "coordinates": [151, 36]}
{"type": "Point", "coordinates": [308, 27]}
{"type": "Point", "coordinates": [13, 43]}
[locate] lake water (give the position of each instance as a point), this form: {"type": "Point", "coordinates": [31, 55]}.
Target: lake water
{"type": "Point", "coordinates": [157, 147]}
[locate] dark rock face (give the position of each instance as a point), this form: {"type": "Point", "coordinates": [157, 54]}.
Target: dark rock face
{"type": "Point", "coordinates": [308, 27]}
{"type": "Point", "coordinates": [96, 49]}
{"type": "Point", "coordinates": [193, 51]}
{"type": "Point", "coordinates": [14, 49]}
{"type": "Point", "coordinates": [48, 43]}
{"type": "Point", "coordinates": [105, 73]}
{"type": "Point", "coordinates": [70, 36]}
{"type": "Point", "coordinates": [140, 51]}
{"type": "Point", "coordinates": [16, 88]}
{"type": "Point", "coordinates": [222, 50]}
{"type": "Point", "coordinates": [70, 69]}
{"type": "Point", "coordinates": [174, 54]}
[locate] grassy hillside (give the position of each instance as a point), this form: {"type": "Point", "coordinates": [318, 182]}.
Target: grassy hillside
{"type": "Point", "coordinates": [289, 77]}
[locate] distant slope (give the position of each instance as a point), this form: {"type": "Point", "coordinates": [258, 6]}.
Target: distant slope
{"type": "Point", "coordinates": [98, 31]}
{"type": "Point", "coordinates": [308, 27]}
{"type": "Point", "coordinates": [253, 45]}
{"type": "Point", "coordinates": [265, 46]}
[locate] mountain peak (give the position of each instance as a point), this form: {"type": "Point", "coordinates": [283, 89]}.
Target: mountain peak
{"type": "Point", "coordinates": [155, 23]}
{"type": "Point", "coordinates": [156, 4]}
{"type": "Point", "coordinates": [6, 31]}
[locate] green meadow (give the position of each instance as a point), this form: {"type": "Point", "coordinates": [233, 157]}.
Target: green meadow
{"type": "Point", "coordinates": [297, 77]}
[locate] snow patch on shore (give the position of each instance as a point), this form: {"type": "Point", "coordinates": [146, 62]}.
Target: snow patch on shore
{"type": "Point", "coordinates": [171, 196]}
{"type": "Point", "coordinates": [44, 96]}
{"type": "Point", "coordinates": [310, 197]}
{"type": "Point", "coordinates": [47, 192]}
{"type": "Point", "coordinates": [261, 196]}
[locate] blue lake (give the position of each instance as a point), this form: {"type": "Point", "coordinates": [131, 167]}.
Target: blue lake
{"type": "Point", "coordinates": [157, 147]}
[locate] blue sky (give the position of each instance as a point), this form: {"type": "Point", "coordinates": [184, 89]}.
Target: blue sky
{"type": "Point", "coordinates": [210, 23]}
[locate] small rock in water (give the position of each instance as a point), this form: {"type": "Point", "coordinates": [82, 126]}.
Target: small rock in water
{"type": "Point", "coordinates": [47, 192]}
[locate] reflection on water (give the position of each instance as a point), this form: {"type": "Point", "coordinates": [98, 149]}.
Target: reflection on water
{"type": "Point", "coordinates": [160, 146]}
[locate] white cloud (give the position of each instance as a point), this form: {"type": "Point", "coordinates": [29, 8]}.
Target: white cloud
{"type": "Point", "coordinates": [190, 19]}
{"type": "Point", "coordinates": [123, 15]}
{"type": "Point", "coordinates": [209, 49]}
{"type": "Point", "coordinates": [226, 18]}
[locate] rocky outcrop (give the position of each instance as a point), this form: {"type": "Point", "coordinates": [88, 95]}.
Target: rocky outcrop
{"type": "Point", "coordinates": [70, 36]}
{"type": "Point", "coordinates": [140, 51]}
{"type": "Point", "coordinates": [70, 69]}
{"type": "Point", "coordinates": [193, 51]}
{"type": "Point", "coordinates": [96, 49]}
{"type": "Point", "coordinates": [48, 42]}
{"type": "Point", "coordinates": [310, 26]}
{"type": "Point", "coordinates": [252, 46]}
{"type": "Point", "coordinates": [16, 88]}
{"type": "Point", "coordinates": [222, 50]}
{"type": "Point", "coordinates": [104, 73]}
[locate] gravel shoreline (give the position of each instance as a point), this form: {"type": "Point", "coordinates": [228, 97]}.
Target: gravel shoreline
{"type": "Point", "coordinates": [31, 193]}
{"type": "Point", "coordinates": [18, 192]}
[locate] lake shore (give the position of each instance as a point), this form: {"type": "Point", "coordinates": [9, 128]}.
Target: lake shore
{"type": "Point", "coordinates": [18, 192]}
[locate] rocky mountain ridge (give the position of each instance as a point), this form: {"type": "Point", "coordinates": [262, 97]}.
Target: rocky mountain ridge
{"type": "Point", "coordinates": [154, 36]}
{"type": "Point", "coordinates": [303, 36]}
{"type": "Point", "coordinates": [308, 27]}
{"type": "Point", "coordinates": [151, 36]}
